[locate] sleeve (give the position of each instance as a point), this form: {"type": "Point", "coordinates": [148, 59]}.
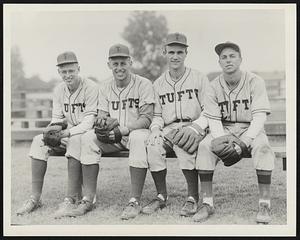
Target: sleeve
{"type": "Point", "coordinates": [57, 111]}
{"type": "Point", "coordinates": [145, 118]}
{"type": "Point", "coordinates": [216, 127]}
{"type": "Point", "coordinates": [259, 96]}
{"type": "Point", "coordinates": [202, 121]}
{"type": "Point", "coordinates": [256, 125]}
{"type": "Point", "coordinates": [146, 93]}
{"type": "Point", "coordinates": [157, 113]}
{"type": "Point", "coordinates": [91, 96]}
{"type": "Point", "coordinates": [103, 103]}
{"type": "Point", "coordinates": [202, 90]}
{"type": "Point", "coordinates": [211, 107]}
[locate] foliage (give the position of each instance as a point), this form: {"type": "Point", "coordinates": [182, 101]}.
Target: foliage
{"type": "Point", "coordinates": [17, 69]}
{"type": "Point", "coordinates": [145, 33]}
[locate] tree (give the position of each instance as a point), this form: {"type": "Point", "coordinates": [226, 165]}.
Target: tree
{"type": "Point", "coordinates": [17, 69]}
{"type": "Point", "coordinates": [145, 33]}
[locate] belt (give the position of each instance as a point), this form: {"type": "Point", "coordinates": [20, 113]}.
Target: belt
{"type": "Point", "coordinates": [182, 120]}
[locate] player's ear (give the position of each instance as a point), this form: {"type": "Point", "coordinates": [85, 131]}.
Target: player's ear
{"type": "Point", "coordinates": [129, 61]}
{"type": "Point", "coordinates": [164, 50]}
{"type": "Point", "coordinates": [78, 68]}
{"type": "Point", "coordinates": [109, 65]}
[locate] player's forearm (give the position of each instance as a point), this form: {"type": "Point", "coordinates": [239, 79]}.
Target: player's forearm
{"type": "Point", "coordinates": [256, 125]}
{"type": "Point", "coordinates": [202, 121]}
{"type": "Point", "coordinates": [144, 120]}
{"type": "Point", "coordinates": [216, 128]}
{"type": "Point", "coordinates": [85, 125]}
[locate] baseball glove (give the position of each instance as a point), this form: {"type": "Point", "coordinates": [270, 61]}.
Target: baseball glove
{"type": "Point", "coordinates": [187, 137]}
{"type": "Point", "coordinates": [230, 149]}
{"type": "Point", "coordinates": [52, 134]}
{"type": "Point", "coordinates": [107, 130]}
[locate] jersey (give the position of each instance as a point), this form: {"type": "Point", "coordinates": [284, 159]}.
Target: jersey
{"type": "Point", "coordinates": [239, 104]}
{"type": "Point", "coordinates": [79, 108]}
{"type": "Point", "coordinates": [124, 104]}
{"type": "Point", "coordinates": [178, 100]}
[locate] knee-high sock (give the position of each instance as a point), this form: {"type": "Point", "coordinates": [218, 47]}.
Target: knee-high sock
{"type": "Point", "coordinates": [191, 177]}
{"type": "Point", "coordinates": [159, 179]}
{"type": "Point", "coordinates": [206, 178]}
{"type": "Point", "coordinates": [90, 175]}
{"type": "Point", "coordinates": [74, 178]}
{"type": "Point", "coordinates": [137, 176]}
{"type": "Point", "coordinates": [38, 170]}
{"type": "Point", "coordinates": [264, 185]}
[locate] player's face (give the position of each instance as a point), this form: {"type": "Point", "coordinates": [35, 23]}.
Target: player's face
{"type": "Point", "coordinates": [230, 60]}
{"type": "Point", "coordinates": [69, 73]}
{"type": "Point", "coordinates": [120, 67]}
{"type": "Point", "coordinates": [176, 55]}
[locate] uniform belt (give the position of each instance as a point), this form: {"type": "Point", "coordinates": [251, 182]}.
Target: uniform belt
{"type": "Point", "coordinates": [241, 124]}
{"type": "Point", "coordinates": [183, 120]}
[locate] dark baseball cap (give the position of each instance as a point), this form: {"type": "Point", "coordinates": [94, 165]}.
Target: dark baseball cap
{"type": "Point", "coordinates": [176, 38]}
{"type": "Point", "coordinates": [219, 48]}
{"type": "Point", "coordinates": [66, 57]}
{"type": "Point", "coordinates": [118, 50]}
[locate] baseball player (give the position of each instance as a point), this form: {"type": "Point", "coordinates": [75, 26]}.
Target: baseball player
{"type": "Point", "coordinates": [179, 96]}
{"type": "Point", "coordinates": [129, 99]}
{"type": "Point", "coordinates": [75, 99]}
{"type": "Point", "coordinates": [236, 103]}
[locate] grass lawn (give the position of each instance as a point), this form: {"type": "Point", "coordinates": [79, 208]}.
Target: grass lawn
{"type": "Point", "coordinates": [235, 193]}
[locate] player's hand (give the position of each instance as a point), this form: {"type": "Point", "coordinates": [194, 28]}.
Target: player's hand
{"type": "Point", "coordinates": [65, 133]}
{"type": "Point", "coordinates": [155, 137]}
{"type": "Point", "coordinates": [247, 140]}
{"type": "Point", "coordinates": [124, 130]}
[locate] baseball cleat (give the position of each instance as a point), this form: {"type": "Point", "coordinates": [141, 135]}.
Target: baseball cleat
{"type": "Point", "coordinates": [158, 203]}
{"type": "Point", "coordinates": [29, 206]}
{"type": "Point", "coordinates": [263, 215]}
{"type": "Point", "coordinates": [189, 208]}
{"type": "Point", "coordinates": [83, 207]}
{"type": "Point", "coordinates": [204, 212]}
{"type": "Point", "coordinates": [132, 209]}
{"type": "Point", "coordinates": [65, 208]}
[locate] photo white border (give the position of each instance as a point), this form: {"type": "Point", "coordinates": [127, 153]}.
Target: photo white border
{"type": "Point", "coordinates": [156, 230]}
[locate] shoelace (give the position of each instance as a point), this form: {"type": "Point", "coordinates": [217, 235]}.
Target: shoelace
{"type": "Point", "coordinates": [189, 203]}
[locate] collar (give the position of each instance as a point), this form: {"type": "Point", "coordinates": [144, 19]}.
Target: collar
{"type": "Point", "coordinates": [78, 89]}
{"type": "Point", "coordinates": [237, 88]}
{"type": "Point", "coordinates": [183, 77]}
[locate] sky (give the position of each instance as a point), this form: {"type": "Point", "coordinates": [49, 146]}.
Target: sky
{"type": "Point", "coordinates": [43, 33]}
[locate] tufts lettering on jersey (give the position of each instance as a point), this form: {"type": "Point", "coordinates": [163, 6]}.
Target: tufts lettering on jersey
{"type": "Point", "coordinates": [130, 102]}
{"type": "Point", "coordinates": [242, 104]}
{"type": "Point", "coordinates": [74, 106]}
{"type": "Point", "coordinates": [169, 97]}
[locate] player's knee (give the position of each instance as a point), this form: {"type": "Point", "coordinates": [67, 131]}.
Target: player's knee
{"type": "Point", "coordinates": [88, 136]}
{"type": "Point", "coordinates": [38, 140]}
{"type": "Point", "coordinates": [264, 149]}
{"type": "Point", "coordinates": [138, 136]}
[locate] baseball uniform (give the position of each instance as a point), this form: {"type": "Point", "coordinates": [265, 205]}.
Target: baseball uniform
{"type": "Point", "coordinates": [236, 109]}
{"type": "Point", "coordinates": [176, 104]}
{"type": "Point", "coordinates": [124, 104]}
{"type": "Point", "coordinates": [79, 109]}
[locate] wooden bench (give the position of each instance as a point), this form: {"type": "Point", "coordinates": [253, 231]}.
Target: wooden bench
{"type": "Point", "coordinates": [24, 129]}
{"type": "Point", "coordinates": [280, 152]}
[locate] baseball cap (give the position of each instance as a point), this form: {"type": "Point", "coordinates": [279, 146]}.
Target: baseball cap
{"type": "Point", "coordinates": [66, 57]}
{"type": "Point", "coordinates": [178, 38]}
{"type": "Point", "coordinates": [118, 50]}
{"type": "Point", "coordinates": [219, 48]}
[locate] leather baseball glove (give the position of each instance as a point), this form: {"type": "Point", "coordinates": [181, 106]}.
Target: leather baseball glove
{"type": "Point", "coordinates": [187, 137]}
{"type": "Point", "coordinates": [230, 149]}
{"type": "Point", "coordinates": [52, 134]}
{"type": "Point", "coordinates": [107, 130]}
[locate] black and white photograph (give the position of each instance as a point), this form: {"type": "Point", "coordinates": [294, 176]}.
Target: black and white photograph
{"type": "Point", "coordinates": [149, 119]}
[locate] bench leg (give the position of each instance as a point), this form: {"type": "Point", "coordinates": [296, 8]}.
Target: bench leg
{"type": "Point", "coordinates": [284, 164]}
